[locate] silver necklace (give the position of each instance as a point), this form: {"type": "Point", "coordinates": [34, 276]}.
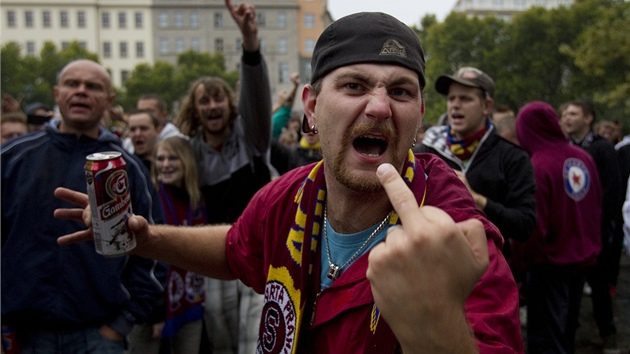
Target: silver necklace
{"type": "Point", "coordinates": [334, 271]}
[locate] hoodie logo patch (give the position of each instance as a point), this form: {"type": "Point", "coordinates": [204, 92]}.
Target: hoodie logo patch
{"type": "Point", "coordinates": [577, 179]}
{"type": "Point", "coordinates": [393, 47]}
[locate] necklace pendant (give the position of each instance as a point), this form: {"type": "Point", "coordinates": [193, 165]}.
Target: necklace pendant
{"type": "Point", "coordinates": [333, 272]}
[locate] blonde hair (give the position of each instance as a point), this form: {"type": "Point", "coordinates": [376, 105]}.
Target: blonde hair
{"type": "Point", "coordinates": [182, 149]}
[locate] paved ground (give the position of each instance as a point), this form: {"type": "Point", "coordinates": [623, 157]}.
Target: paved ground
{"type": "Point", "coordinates": [588, 341]}
{"type": "Point", "coordinates": [587, 338]}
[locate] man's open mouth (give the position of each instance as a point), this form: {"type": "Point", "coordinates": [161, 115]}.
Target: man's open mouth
{"type": "Point", "coordinates": [370, 145]}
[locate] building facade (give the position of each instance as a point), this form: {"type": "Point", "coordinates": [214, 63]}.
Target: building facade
{"type": "Point", "coordinates": [125, 33]}
{"type": "Point", "coordinates": [503, 9]}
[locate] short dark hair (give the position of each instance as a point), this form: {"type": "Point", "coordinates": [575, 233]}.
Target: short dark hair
{"type": "Point", "coordinates": [154, 96]}
{"type": "Point", "coordinates": [154, 120]}
{"type": "Point", "coordinates": [587, 108]}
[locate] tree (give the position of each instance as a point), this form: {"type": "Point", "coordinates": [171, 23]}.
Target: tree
{"type": "Point", "coordinates": [602, 52]}
{"type": "Point", "coordinates": [30, 78]}
{"type": "Point", "coordinates": [459, 41]}
{"type": "Point", "coordinates": [18, 74]}
{"type": "Point", "coordinates": [145, 79]}
{"type": "Point", "coordinates": [172, 82]}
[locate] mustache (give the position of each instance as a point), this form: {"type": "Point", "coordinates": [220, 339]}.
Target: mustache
{"type": "Point", "coordinates": [210, 112]}
{"type": "Point", "coordinates": [360, 129]}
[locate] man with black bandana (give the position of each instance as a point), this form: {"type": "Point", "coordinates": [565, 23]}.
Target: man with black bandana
{"type": "Point", "coordinates": [373, 249]}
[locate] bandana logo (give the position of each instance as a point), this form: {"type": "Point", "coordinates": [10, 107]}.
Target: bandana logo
{"type": "Point", "coordinates": [393, 47]}
{"type": "Point", "coordinates": [577, 179]}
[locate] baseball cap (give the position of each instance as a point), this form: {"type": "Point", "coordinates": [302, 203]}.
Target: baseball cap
{"type": "Point", "coordinates": [467, 76]}
{"type": "Point", "coordinates": [366, 37]}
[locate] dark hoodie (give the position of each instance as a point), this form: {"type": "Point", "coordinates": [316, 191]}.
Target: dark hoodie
{"type": "Point", "coordinates": [568, 194]}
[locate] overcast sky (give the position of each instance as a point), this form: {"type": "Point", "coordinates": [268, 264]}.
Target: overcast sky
{"type": "Point", "coordinates": [407, 11]}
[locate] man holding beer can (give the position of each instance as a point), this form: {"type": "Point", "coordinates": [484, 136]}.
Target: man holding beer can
{"type": "Point", "coordinates": [70, 299]}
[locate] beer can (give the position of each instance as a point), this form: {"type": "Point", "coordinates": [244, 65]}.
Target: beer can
{"type": "Point", "coordinates": [110, 203]}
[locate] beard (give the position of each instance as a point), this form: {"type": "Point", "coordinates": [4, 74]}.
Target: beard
{"type": "Point", "coordinates": [344, 174]}
{"type": "Point", "coordinates": [214, 122]}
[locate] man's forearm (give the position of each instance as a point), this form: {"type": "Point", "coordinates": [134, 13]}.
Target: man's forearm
{"type": "Point", "coordinates": [198, 249]}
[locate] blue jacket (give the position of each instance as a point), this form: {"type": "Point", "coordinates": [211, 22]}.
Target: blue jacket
{"type": "Point", "coordinates": [48, 286]}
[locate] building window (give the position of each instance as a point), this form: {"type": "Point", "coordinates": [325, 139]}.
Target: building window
{"type": "Point", "coordinates": [194, 44]}
{"type": "Point", "coordinates": [28, 19]}
{"type": "Point", "coordinates": [309, 21]}
{"type": "Point", "coordinates": [239, 45]}
{"type": "Point", "coordinates": [46, 20]}
{"type": "Point", "coordinates": [122, 20]}
{"type": "Point", "coordinates": [308, 70]}
{"type": "Point", "coordinates": [263, 45]}
{"type": "Point", "coordinates": [138, 20]}
{"type": "Point", "coordinates": [194, 19]}
{"type": "Point", "coordinates": [63, 19]}
{"type": "Point", "coordinates": [139, 49]}
{"type": "Point", "coordinates": [107, 50]}
{"type": "Point", "coordinates": [179, 45]}
{"type": "Point", "coordinates": [179, 19]}
{"type": "Point", "coordinates": [123, 49]}
{"type": "Point", "coordinates": [218, 20]}
{"type": "Point", "coordinates": [521, 4]}
{"type": "Point", "coordinates": [65, 45]}
{"type": "Point", "coordinates": [218, 45]}
{"type": "Point", "coordinates": [11, 18]}
{"type": "Point", "coordinates": [30, 49]}
{"type": "Point", "coordinates": [163, 46]}
{"type": "Point", "coordinates": [83, 45]}
{"type": "Point", "coordinates": [260, 18]}
{"type": "Point", "coordinates": [81, 19]}
{"type": "Point", "coordinates": [283, 73]}
{"type": "Point", "coordinates": [163, 19]}
{"type": "Point", "coordinates": [282, 20]}
{"type": "Point", "coordinates": [105, 19]}
{"type": "Point", "coordinates": [282, 45]}
{"type": "Point", "coordinates": [309, 45]}
{"type": "Point", "coordinates": [124, 75]}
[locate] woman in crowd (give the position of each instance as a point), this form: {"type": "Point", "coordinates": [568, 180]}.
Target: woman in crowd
{"type": "Point", "coordinates": [175, 175]}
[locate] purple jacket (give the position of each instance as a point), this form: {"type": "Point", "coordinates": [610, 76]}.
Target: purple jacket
{"type": "Point", "coordinates": [568, 194]}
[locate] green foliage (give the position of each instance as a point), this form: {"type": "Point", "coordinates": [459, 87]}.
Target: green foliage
{"type": "Point", "coordinates": [556, 55]}
{"type": "Point", "coordinates": [172, 82]}
{"type": "Point", "coordinates": [459, 41]}
{"type": "Point", "coordinates": [602, 52]}
{"type": "Point", "coordinates": [31, 78]}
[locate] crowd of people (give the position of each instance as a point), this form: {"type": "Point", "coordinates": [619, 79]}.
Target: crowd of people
{"type": "Point", "coordinates": [347, 225]}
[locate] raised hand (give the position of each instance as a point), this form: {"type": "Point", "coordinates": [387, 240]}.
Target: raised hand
{"type": "Point", "coordinates": [423, 272]}
{"type": "Point", "coordinates": [245, 17]}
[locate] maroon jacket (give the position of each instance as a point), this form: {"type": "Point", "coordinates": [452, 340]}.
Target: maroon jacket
{"type": "Point", "coordinates": [568, 194]}
{"type": "Point", "coordinates": [275, 248]}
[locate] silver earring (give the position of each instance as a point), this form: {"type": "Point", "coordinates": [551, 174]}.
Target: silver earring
{"type": "Point", "coordinates": [313, 129]}
{"type": "Point", "coordinates": [414, 142]}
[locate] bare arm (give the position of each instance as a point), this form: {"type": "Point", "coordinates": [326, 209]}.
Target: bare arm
{"type": "Point", "coordinates": [423, 273]}
{"type": "Point", "coordinates": [198, 249]}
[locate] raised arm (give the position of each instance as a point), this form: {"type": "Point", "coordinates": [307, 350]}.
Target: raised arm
{"type": "Point", "coordinates": [423, 273]}
{"type": "Point", "coordinates": [245, 17]}
{"type": "Point", "coordinates": [198, 249]}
